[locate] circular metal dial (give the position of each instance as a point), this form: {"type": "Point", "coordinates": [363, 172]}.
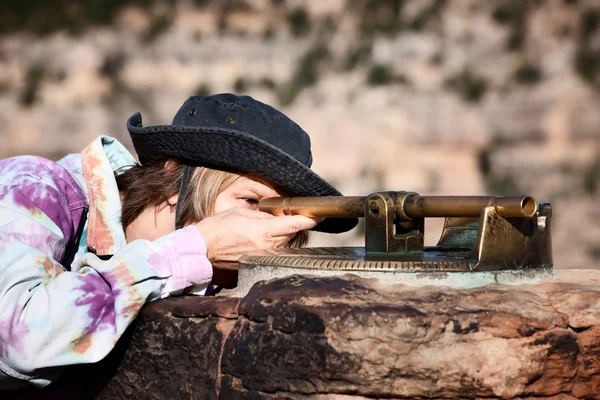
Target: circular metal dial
{"type": "Point", "coordinates": [354, 259]}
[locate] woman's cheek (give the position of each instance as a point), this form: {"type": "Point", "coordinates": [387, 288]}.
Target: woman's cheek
{"type": "Point", "coordinates": [224, 203]}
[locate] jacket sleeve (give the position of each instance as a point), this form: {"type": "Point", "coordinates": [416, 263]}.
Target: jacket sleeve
{"type": "Point", "coordinates": [52, 317]}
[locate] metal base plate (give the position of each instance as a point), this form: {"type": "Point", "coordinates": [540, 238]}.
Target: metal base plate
{"type": "Point", "coordinates": [354, 259]}
{"type": "Point", "coordinates": [440, 267]}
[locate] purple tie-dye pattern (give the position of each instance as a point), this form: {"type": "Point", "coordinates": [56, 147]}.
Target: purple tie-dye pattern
{"type": "Point", "coordinates": [31, 190]}
{"type": "Point", "coordinates": [52, 316]}
{"type": "Point", "coordinates": [98, 296]}
{"type": "Point", "coordinates": [12, 333]}
{"type": "Point", "coordinates": [27, 196]}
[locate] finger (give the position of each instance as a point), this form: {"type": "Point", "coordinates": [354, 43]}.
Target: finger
{"type": "Point", "coordinates": [250, 213]}
{"type": "Point", "coordinates": [290, 224]}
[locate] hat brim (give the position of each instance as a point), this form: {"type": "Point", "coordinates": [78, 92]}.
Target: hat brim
{"type": "Point", "coordinates": [234, 150]}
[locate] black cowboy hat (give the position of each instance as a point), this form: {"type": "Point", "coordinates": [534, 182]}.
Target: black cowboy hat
{"type": "Point", "coordinates": [238, 133]}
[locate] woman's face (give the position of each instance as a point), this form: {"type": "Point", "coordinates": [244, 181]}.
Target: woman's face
{"type": "Point", "coordinates": [244, 192]}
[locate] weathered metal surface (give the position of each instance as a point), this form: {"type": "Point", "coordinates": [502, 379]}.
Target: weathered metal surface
{"type": "Point", "coordinates": [416, 206]}
{"type": "Point", "coordinates": [433, 267]}
{"type": "Point", "coordinates": [334, 206]}
{"type": "Point", "coordinates": [408, 206]}
{"type": "Point", "coordinates": [459, 232]}
{"type": "Point", "coordinates": [513, 243]}
{"type": "Point", "coordinates": [510, 232]}
{"type": "Point", "coordinates": [354, 259]}
{"type": "Point", "coordinates": [471, 252]}
{"type": "Point", "coordinates": [384, 234]}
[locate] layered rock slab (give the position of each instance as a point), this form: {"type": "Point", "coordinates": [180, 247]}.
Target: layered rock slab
{"type": "Point", "coordinates": [347, 337]}
{"type": "Point", "coordinates": [356, 337]}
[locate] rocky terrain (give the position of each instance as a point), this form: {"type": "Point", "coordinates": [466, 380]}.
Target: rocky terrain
{"type": "Point", "coordinates": [439, 97]}
{"type": "Point", "coordinates": [328, 338]}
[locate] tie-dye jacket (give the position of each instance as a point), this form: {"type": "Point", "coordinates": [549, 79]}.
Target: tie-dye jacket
{"type": "Point", "coordinates": [63, 301]}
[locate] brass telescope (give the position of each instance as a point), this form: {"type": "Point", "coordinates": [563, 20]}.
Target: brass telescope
{"type": "Point", "coordinates": [485, 239]}
{"type": "Point", "coordinates": [407, 206]}
{"type": "Point", "coordinates": [497, 231]}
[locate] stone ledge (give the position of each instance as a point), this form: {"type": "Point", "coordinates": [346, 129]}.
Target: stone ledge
{"type": "Point", "coordinates": [347, 337]}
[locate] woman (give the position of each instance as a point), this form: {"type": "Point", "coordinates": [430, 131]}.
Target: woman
{"type": "Point", "coordinates": [85, 242]}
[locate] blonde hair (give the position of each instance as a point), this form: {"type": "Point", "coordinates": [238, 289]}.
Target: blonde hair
{"type": "Point", "coordinates": [151, 186]}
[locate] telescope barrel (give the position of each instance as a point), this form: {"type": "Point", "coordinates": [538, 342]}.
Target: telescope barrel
{"type": "Point", "coordinates": [330, 206]}
{"type": "Point", "coordinates": [467, 206]}
{"type": "Point", "coordinates": [414, 206]}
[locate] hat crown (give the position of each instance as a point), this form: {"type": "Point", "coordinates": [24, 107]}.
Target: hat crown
{"type": "Point", "coordinates": [245, 114]}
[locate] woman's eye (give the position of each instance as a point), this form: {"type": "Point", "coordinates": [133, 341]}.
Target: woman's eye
{"type": "Point", "coordinates": [251, 201]}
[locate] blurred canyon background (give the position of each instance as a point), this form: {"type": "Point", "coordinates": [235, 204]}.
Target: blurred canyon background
{"type": "Point", "coordinates": [456, 97]}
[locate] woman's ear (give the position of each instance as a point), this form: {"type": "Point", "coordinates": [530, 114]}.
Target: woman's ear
{"type": "Point", "coordinates": [172, 201]}
{"type": "Point", "coordinates": [171, 164]}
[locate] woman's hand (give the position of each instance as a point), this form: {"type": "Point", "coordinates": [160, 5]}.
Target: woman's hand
{"type": "Point", "coordinates": [238, 231]}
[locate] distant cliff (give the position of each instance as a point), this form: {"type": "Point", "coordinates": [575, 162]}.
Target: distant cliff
{"type": "Point", "coordinates": [453, 97]}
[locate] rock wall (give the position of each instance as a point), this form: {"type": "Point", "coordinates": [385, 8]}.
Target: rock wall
{"type": "Point", "coordinates": [346, 337]}
{"type": "Point", "coordinates": [439, 97]}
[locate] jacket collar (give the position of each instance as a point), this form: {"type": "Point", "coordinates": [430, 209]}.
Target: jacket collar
{"type": "Point", "coordinates": [100, 160]}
